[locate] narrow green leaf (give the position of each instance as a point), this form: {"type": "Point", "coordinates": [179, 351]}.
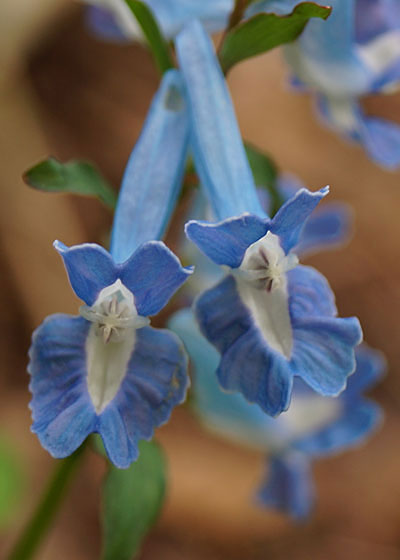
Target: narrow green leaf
{"type": "Point", "coordinates": [157, 43]}
{"type": "Point", "coordinates": [265, 174]}
{"type": "Point", "coordinates": [77, 177]}
{"type": "Point", "coordinates": [132, 499]}
{"type": "Point", "coordinates": [263, 168]}
{"type": "Point", "coordinates": [12, 482]}
{"type": "Point", "coordinates": [264, 32]}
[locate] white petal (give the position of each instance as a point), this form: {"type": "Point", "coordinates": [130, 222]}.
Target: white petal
{"type": "Point", "coordinates": [270, 312]}
{"type": "Point", "coordinates": [269, 308]}
{"type": "Point", "coordinates": [380, 53]}
{"type": "Point", "coordinates": [106, 366]}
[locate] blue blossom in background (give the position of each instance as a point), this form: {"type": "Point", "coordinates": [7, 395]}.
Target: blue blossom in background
{"type": "Point", "coordinates": [313, 427]}
{"type": "Point", "coordinates": [270, 319]}
{"type": "Point", "coordinates": [354, 53]}
{"type": "Point", "coordinates": [112, 19]}
{"type": "Point", "coordinates": [108, 371]}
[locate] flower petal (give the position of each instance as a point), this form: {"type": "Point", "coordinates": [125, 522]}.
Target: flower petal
{"type": "Point", "coordinates": [247, 364]}
{"type": "Point", "coordinates": [153, 175]}
{"type": "Point", "coordinates": [374, 17]}
{"type": "Point", "coordinates": [226, 242]}
{"type": "Point", "coordinates": [262, 375]}
{"type": "Point", "coordinates": [309, 293]}
{"type": "Point", "coordinates": [390, 77]}
{"type": "Point", "coordinates": [289, 220]}
{"type": "Point", "coordinates": [121, 16]}
{"type": "Point", "coordinates": [288, 486]}
{"type": "Point", "coordinates": [153, 274]}
{"type": "Point", "coordinates": [338, 30]}
{"type": "Point", "coordinates": [217, 145]}
{"type": "Point", "coordinates": [156, 381]}
{"type": "Point", "coordinates": [62, 412]}
{"type": "Point", "coordinates": [355, 423]}
{"type": "Point", "coordinates": [381, 139]}
{"type": "Point", "coordinates": [327, 228]}
{"type": "Point", "coordinates": [221, 315]}
{"type": "Point", "coordinates": [227, 414]}
{"type": "Point", "coordinates": [104, 24]}
{"type": "Point", "coordinates": [323, 351]}
{"type": "Point", "coordinates": [90, 268]}
{"type": "Point", "coordinates": [371, 365]}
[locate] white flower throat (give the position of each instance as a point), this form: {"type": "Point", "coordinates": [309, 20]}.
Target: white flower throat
{"type": "Point", "coordinates": [110, 342]}
{"type": "Point", "coordinates": [114, 313]}
{"type": "Point", "coordinates": [265, 263]}
{"type": "Point", "coordinates": [262, 286]}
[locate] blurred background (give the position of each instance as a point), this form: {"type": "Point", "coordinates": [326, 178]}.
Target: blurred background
{"type": "Point", "coordinates": [65, 93]}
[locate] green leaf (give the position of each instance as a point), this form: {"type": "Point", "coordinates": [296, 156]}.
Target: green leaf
{"type": "Point", "coordinates": [77, 177]}
{"type": "Point", "coordinates": [12, 482]}
{"type": "Point", "coordinates": [132, 499]}
{"type": "Point", "coordinates": [265, 174]}
{"type": "Point", "coordinates": [264, 32]}
{"type": "Point", "coordinates": [263, 168]}
{"type": "Point", "coordinates": [158, 45]}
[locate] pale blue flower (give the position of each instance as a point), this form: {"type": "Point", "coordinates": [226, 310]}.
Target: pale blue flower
{"type": "Point", "coordinates": [112, 19]}
{"type": "Point", "coordinates": [270, 319]}
{"type": "Point", "coordinates": [355, 52]}
{"type": "Point", "coordinates": [108, 371]}
{"type": "Point", "coordinates": [313, 427]}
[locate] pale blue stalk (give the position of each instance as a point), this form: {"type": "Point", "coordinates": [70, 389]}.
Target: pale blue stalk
{"type": "Point", "coordinates": [154, 172]}
{"type": "Point", "coordinates": [217, 145]}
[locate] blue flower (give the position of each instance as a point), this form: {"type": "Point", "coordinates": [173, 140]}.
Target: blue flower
{"type": "Point", "coordinates": [108, 371]}
{"type": "Point", "coordinates": [313, 427]}
{"type": "Point", "coordinates": [112, 19]}
{"type": "Point", "coordinates": [270, 319]}
{"type": "Point", "coordinates": [327, 228]}
{"type": "Point", "coordinates": [356, 52]}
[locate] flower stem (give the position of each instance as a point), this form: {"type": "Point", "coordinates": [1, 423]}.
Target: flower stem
{"type": "Point", "coordinates": [237, 13]}
{"type": "Point", "coordinates": [35, 530]}
{"type": "Point", "coordinates": [234, 19]}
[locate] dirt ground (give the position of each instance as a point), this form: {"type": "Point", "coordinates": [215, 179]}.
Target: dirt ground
{"type": "Point", "coordinates": [91, 100]}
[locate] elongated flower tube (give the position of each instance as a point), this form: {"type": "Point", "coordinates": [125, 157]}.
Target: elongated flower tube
{"type": "Point", "coordinates": [354, 53]}
{"type": "Point", "coordinates": [314, 427]}
{"type": "Point", "coordinates": [107, 370]}
{"type": "Point", "coordinates": [112, 19]}
{"type": "Point", "coordinates": [270, 319]}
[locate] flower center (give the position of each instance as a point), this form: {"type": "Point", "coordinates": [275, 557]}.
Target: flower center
{"type": "Point", "coordinates": [265, 264]}
{"type": "Point", "coordinates": [262, 286]}
{"type": "Point", "coordinates": [114, 313]}
{"type": "Point", "coordinates": [110, 342]}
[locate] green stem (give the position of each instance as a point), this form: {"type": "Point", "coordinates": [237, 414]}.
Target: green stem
{"type": "Point", "coordinates": [41, 519]}
{"type": "Point", "coordinates": [234, 19]}
{"type": "Point", "coordinates": [155, 39]}
{"type": "Point", "coordinates": [237, 14]}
